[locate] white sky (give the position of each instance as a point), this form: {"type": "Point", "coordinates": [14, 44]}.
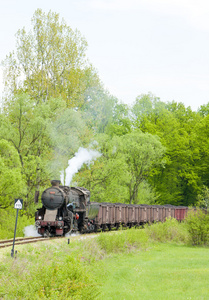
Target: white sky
{"type": "Point", "coordinates": [137, 46]}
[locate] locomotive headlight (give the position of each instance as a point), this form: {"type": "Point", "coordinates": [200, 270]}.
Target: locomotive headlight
{"type": "Point", "coordinates": [39, 217]}
{"type": "Point", "coordinates": [60, 218]}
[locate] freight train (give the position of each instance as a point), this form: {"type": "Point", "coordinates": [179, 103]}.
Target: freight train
{"type": "Point", "coordinates": [68, 209]}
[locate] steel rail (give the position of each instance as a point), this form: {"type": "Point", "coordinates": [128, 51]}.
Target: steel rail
{"type": "Point", "coordinates": [21, 241]}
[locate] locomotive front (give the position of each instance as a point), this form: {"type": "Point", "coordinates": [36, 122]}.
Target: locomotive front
{"type": "Point", "coordinates": [65, 209]}
{"type": "Point", "coordinates": [50, 218]}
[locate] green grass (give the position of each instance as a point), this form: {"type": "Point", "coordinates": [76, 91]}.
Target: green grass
{"type": "Point", "coordinates": [48, 270]}
{"type": "Point", "coordinates": [162, 272]}
{"type": "Point", "coordinates": [152, 263]}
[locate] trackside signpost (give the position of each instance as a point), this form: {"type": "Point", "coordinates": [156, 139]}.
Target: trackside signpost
{"type": "Point", "coordinates": [18, 205]}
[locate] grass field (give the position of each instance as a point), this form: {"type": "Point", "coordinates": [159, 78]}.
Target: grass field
{"type": "Point", "coordinates": [114, 265]}
{"type": "Point", "coordinates": [162, 272]}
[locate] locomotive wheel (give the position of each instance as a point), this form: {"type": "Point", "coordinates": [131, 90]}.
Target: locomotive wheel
{"type": "Point", "coordinates": [46, 233]}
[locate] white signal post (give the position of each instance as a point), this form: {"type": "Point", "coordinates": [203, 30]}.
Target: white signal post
{"type": "Point", "coordinates": [18, 205]}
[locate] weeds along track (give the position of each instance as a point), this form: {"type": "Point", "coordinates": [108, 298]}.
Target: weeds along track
{"type": "Point", "coordinates": [22, 241]}
{"type": "Point", "coordinates": [30, 240]}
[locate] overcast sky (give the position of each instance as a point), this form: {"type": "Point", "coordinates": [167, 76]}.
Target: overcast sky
{"type": "Point", "coordinates": [137, 46]}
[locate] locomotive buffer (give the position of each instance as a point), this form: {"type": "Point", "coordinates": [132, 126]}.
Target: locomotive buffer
{"type": "Point", "coordinates": [18, 205]}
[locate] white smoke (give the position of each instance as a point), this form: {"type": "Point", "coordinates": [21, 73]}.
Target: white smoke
{"type": "Point", "coordinates": [74, 164]}
{"type": "Point", "coordinates": [30, 231]}
{"type": "Point", "coordinates": [69, 234]}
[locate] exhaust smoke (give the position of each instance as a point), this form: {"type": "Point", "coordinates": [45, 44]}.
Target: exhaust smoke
{"type": "Point", "coordinates": [74, 164]}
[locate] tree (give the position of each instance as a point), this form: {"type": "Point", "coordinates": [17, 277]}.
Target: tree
{"type": "Point", "coordinates": [179, 181]}
{"type": "Point", "coordinates": [143, 152]}
{"type": "Point", "coordinates": [106, 176]}
{"type": "Point", "coordinates": [49, 61]}
{"type": "Point", "coordinates": [68, 132]}
{"type": "Point", "coordinates": [26, 126]}
{"type": "Point", "coordinates": [98, 109]}
{"type": "Point", "coordinates": [202, 151]}
{"type": "Point", "coordinates": [125, 163]}
{"type": "Point", "coordinates": [121, 123]}
{"type": "Point", "coordinates": [203, 198]}
{"type": "Point", "coordinates": [12, 184]}
{"type": "Point", "coordinates": [45, 137]}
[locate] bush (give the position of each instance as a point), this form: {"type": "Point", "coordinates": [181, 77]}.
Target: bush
{"type": "Point", "coordinates": [170, 230]}
{"type": "Point", "coordinates": [7, 223]}
{"type": "Point", "coordinates": [66, 279]}
{"type": "Point", "coordinates": [122, 241]}
{"type": "Point", "coordinates": [198, 227]}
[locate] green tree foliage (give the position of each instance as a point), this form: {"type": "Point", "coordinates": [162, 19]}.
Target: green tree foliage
{"type": "Point", "coordinates": [203, 198]}
{"type": "Point", "coordinates": [47, 81]}
{"type": "Point", "coordinates": [106, 177]}
{"type": "Point", "coordinates": [11, 182]}
{"type": "Point", "coordinates": [121, 123]}
{"type": "Point", "coordinates": [179, 180]}
{"type": "Point", "coordinates": [104, 114]}
{"type": "Point", "coordinates": [45, 136]}
{"type": "Point", "coordinates": [26, 126]}
{"type": "Point", "coordinates": [202, 139]}
{"type": "Point", "coordinates": [67, 133]}
{"type": "Point", "coordinates": [125, 163]}
{"type": "Point", "coordinates": [204, 110]}
{"type": "Point", "coordinates": [143, 152]}
{"type": "Point", "coordinates": [98, 109]}
{"type": "Point", "coordinates": [50, 61]}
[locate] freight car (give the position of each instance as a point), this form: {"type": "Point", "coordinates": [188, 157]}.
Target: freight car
{"type": "Point", "coordinates": [68, 209]}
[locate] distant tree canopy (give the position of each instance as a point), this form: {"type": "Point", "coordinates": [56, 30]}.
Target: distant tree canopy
{"type": "Point", "coordinates": [50, 61]}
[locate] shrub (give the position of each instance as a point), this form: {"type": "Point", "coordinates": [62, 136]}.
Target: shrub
{"type": "Point", "coordinates": [170, 230]}
{"type": "Point", "coordinates": [66, 279]}
{"type": "Point", "coordinates": [198, 227]}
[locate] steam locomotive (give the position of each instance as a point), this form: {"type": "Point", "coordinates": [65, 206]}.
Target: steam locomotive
{"type": "Point", "coordinates": [68, 209]}
{"type": "Point", "coordinates": [65, 209]}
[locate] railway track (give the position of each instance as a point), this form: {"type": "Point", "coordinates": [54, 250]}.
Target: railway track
{"type": "Point", "coordinates": [21, 241]}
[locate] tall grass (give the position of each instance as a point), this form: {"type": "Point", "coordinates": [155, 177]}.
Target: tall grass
{"type": "Point", "coordinates": [123, 241]}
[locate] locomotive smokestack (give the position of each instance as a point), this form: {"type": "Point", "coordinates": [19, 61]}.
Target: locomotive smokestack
{"type": "Point", "coordinates": [55, 182]}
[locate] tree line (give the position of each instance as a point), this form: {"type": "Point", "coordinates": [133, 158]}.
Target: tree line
{"type": "Point", "coordinates": [54, 102]}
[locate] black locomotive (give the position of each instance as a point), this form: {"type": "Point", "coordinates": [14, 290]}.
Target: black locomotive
{"type": "Point", "coordinates": [65, 209]}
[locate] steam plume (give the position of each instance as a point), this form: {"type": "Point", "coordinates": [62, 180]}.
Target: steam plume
{"type": "Point", "coordinates": [82, 156]}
